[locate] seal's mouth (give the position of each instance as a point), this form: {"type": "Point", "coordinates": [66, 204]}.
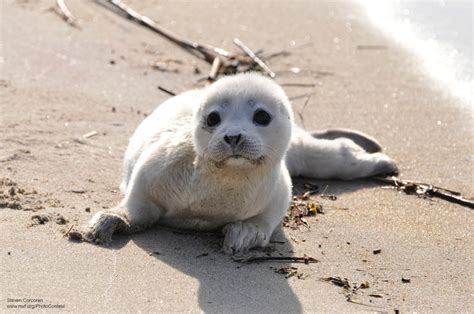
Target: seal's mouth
{"type": "Point", "coordinates": [237, 160]}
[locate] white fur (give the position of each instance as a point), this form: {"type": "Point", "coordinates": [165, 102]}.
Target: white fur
{"type": "Point", "coordinates": [179, 172]}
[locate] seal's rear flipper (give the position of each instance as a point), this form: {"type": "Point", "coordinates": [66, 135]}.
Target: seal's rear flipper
{"type": "Point", "coordinates": [336, 154]}
{"type": "Point", "coordinates": [368, 143]}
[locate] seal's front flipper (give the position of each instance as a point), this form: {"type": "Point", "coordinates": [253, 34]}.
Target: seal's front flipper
{"type": "Point", "coordinates": [368, 143]}
{"type": "Point", "coordinates": [103, 225]}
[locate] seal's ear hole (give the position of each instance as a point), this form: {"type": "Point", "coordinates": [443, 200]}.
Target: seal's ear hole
{"type": "Point", "coordinates": [213, 119]}
{"type": "Point", "coordinates": [261, 117]}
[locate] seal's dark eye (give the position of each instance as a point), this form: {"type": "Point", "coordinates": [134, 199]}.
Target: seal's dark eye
{"type": "Point", "coordinates": [262, 117]}
{"type": "Point", "coordinates": [213, 119]}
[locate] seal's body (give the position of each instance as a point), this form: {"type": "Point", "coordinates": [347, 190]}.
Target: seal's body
{"type": "Point", "coordinates": [222, 157]}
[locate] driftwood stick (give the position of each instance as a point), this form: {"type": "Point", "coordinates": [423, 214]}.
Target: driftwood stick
{"type": "Point", "coordinates": [62, 10]}
{"type": "Point", "coordinates": [254, 57]}
{"type": "Point", "coordinates": [216, 66]}
{"type": "Point", "coordinates": [425, 189]}
{"type": "Point", "coordinates": [206, 52]}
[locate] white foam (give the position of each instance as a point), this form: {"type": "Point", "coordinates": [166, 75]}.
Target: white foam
{"type": "Point", "coordinates": [441, 61]}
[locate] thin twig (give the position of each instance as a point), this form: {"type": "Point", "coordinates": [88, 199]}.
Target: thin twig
{"type": "Point", "coordinates": [300, 113]}
{"type": "Point", "coordinates": [66, 234]}
{"type": "Point", "coordinates": [294, 259]}
{"type": "Point", "coordinates": [252, 55]}
{"type": "Point", "coordinates": [426, 189]}
{"type": "Point", "coordinates": [167, 91]}
{"type": "Point", "coordinates": [282, 53]}
{"type": "Point", "coordinates": [62, 10]}
{"type": "Point", "coordinates": [90, 134]}
{"type": "Point", "coordinates": [297, 84]}
{"type": "Point", "coordinates": [300, 96]}
{"type": "Point", "coordinates": [350, 300]}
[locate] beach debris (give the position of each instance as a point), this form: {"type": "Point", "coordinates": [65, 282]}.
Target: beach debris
{"type": "Point", "coordinates": [167, 91]}
{"type": "Point", "coordinates": [377, 251]}
{"type": "Point", "coordinates": [290, 272]}
{"type": "Point", "coordinates": [14, 197]}
{"type": "Point", "coordinates": [221, 61]}
{"type": "Point", "coordinates": [166, 65]}
{"type": "Point", "coordinates": [338, 281]}
{"type": "Point", "coordinates": [364, 285]}
{"type": "Point", "coordinates": [300, 113]}
{"type": "Point", "coordinates": [331, 197]}
{"type": "Point", "coordinates": [74, 236]}
{"type": "Point", "coordinates": [296, 97]}
{"type": "Point", "coordinates": [371, 47]}
{"type": "Point", "coordinates": [39, 219]}
{"type": "Point", "coordinates": [62, 10]}
{"type": "Point", "coordinates": [350, 291]}
{"type": "Point", "coordinates": [298, 84]}
{"type": "Point", "coordinates": [66, 234]}
{"type": "Point", "coordinates": [293, 259]}
{"type": "Point", "coordinates": [311, 187]}
{"type": "Point", "coordinates": [254, 57]}
{"type": "Point", "coordinates": [78, 191]}
{"type": "Point", "coordinates": [406, 280]}
{"type": "Point", "coordinates": [10, 157]}
{"type": "Point", "coordinates": [426, 190]}
{"type": "Point", "coordinates": [301, 206]}
{"type": "Point", "coordinates": [4, 83]}
{"type": "Point", "coordinates": [90, 134]}
{"type": "Point", "coordinates": [60, 220]}
{"type": "Point", "coordinates": [215, 68]}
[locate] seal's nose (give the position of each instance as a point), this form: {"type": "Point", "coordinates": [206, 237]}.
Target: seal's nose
{"type": "Point", "coordinates": [233, 140]}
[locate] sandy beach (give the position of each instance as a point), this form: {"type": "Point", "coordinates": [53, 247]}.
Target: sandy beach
{"type": "Point", "coordinates": [59, 83]}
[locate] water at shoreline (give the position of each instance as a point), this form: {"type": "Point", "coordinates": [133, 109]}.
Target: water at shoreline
{"type": "Point", "coordinates": [439, 32]}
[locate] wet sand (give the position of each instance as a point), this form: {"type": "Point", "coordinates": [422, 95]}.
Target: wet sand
{"type": "Point", "coordinates": [59, 83]}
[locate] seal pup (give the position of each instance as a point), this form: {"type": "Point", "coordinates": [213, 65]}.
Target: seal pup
{"type": "Point", "coordinates": [221, 157]}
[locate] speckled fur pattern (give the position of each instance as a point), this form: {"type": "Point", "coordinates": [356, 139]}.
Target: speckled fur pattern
{"type": "Point", "coordinates": [180, 172]}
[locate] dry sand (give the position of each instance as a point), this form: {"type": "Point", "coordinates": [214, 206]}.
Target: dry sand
{"type": "Point", "coordinates": [59, 83]}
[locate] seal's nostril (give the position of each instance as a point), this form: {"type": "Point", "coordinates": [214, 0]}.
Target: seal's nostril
{"type": "Point", "coordinates": [232, 139]}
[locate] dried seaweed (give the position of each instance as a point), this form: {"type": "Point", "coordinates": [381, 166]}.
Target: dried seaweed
{"type": "Point", "coordinates": [301, 206]}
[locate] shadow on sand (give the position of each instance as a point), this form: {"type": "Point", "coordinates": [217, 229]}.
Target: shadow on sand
{"type": "Point", "coordinates": [226, 285]}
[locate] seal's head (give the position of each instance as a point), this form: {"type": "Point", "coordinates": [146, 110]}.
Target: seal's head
{"type": "Point", "coordinates": [242, 122]}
